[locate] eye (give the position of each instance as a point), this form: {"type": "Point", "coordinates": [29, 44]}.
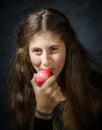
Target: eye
{"type": "Point", "coordinates": [37, 51]}
{"type": "Point", "coordinates": [54, 49]}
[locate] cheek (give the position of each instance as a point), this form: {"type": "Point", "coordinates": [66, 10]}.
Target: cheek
{"type": "Point", "coordinates": [35, 61]}
{"type": "Point", "coordinates": [60, 61]}
{"type": "Point", "coordinates": [59, 64]}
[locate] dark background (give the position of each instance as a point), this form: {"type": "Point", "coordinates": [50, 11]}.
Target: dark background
{"type": "Point", "coordinates": [86, 19]}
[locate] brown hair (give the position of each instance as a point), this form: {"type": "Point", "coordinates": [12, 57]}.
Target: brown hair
{"type": "Point", "coordinates": [82, 103]}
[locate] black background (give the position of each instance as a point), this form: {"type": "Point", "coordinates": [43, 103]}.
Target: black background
{"type": "Point", "coordinates": [86, 19]}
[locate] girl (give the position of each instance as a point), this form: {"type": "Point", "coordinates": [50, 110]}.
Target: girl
{"type": "Point", "coordinates": [71, 98]}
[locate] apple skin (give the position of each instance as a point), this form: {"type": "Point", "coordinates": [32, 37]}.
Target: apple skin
{"type": "Point", "coordinates": [42, 76]}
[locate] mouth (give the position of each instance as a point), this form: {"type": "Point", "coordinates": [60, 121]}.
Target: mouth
{"type": "Point", "coordinates": [52, 69]}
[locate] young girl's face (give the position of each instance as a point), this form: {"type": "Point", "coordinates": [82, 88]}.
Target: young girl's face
{"type": "Point", "coordinates": [47, 51]}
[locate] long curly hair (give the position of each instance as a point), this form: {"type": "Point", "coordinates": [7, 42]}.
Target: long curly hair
{"type": "Point", "coordinates": [82, 101]}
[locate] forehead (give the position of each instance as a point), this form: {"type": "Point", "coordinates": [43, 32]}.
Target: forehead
{"type": "Point", "coordinates": [45, 37]}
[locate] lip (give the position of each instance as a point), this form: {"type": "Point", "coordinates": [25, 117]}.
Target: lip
{"type": "Point", "coordinates": [52, 69]}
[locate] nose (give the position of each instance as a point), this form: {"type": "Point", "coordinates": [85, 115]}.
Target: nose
{"type": "Point", "coordinates": [46, 59]}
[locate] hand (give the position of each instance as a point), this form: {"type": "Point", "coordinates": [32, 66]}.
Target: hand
{"type": "Point", "coordinates": [48, 95]}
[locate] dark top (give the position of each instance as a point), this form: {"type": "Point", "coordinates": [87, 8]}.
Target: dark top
{"type": "Point", "coordinates": [41, 124]}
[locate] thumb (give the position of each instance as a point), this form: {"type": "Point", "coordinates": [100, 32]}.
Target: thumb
{"type": "Point", "coordinates": [33, 81]}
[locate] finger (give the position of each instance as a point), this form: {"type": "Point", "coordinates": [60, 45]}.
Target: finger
{"type": "Point", "coordinates": [56, 93]}
{"type": "Point", "coordinates": [50, 81]}
{"type": "Point", "coordinates": [62, 98]}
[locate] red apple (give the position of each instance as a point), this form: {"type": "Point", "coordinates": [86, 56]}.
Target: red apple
{"type": "Point", "coordinates": [42, 76]}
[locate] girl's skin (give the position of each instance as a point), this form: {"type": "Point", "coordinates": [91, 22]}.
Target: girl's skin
{"type": "Point", "coordinates": [47, 51]}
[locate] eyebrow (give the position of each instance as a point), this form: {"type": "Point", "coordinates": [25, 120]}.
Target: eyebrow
{"type": "Point", "coordinates": [37, 47]}
{"type": "Point", "coordinates": [54, 45]}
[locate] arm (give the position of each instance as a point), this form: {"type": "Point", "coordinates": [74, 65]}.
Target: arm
{"type": "Point", "coordinates": [48, 96]}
